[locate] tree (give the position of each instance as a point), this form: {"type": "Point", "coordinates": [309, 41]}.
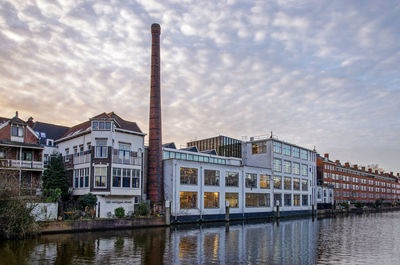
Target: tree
{"type": "Point", "coordinates": [55, 176]}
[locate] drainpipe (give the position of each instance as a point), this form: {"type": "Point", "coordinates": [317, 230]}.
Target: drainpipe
{"type": "Point", "coordinates": [20, 169]}
{"type": "Point", "coordinates": [201, 193]}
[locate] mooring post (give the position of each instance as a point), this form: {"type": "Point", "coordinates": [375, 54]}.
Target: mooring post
{"type": "Point", "coordinates": [227, 211]}
{"type": "Point", "coordinates": [313, 210]}
{"type": "Point", "coordinates": [277, 210]}
{"type": "Point", "coordinates": [167, 212]}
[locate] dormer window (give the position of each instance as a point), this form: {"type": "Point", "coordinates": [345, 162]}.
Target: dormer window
{"type": "Point", "coordinates": [17, 131]}
{"type": "Point", "coordinates": [50, 142]}
{"type": "Point", "coordinates": [101, 125]}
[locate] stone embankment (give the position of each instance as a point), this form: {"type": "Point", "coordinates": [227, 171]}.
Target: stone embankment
{"type": "Point", "coordinates": [330, 212]}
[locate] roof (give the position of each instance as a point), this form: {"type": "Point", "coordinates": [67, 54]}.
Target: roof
{"type": "Point", "coordinates": [121, 124]}
{"type": "Point", "coordinates": [52, 131]}
{"type": "Point", "coordinates": [2, 120]}
{"type": "Point", "coordinates": [169, 145]}
{"type": "Point", "coordinates": [191, 149]}
{"type": "Point", "coordinates": [210, 152]}
{"type": "Point", "coordinates": [13, 143]}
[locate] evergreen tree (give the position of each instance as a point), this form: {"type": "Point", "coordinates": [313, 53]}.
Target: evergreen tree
{"type": "Point", "coordinates": [55, 175]}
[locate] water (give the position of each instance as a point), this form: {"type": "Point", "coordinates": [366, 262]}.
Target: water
{"type": "Point", "coordinates": [356, 239]}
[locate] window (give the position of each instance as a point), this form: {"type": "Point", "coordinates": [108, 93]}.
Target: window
{"type": "Point", "coordinates": [211, 199]}
{"type": "Point", "coordinates": [296, 200]}
{"type": "Point", "coordinates": [89, 146]}
{"type": "Point", "coordinates": [305, 200]}
{"type": "Point", "coordinates": [100, 176]}
{"type": "Point", "coordinates": [277, 165]}
{"type": "Point", "coordinates": [265, 181]}
{"type": "Point", "coordinates": [86, 177]}
{"type": "Point", "coordinates": [287, 167]}
{"type": "Point", "coordinates": [232, 179]}
{"type": "Point", "coordinates": [304, 171]}
{"type": "Point", "coordinates": [287, 199]}
{"type": "Point", "coordinates": [295, 152]}
{"type": "Point", "coordinates": [277, 147]}
{"type": "Point", "coordinates": [101, 148]}
{"type": "Point", "coordinates": [296, 168]}
{"type": "Point", "coordinates": [257, 200]}
{"type": "Point", "coordinates": [303, 154]}
{"type": "Point", "coordinates": [124, 153]}
{"type": "Point", "coordinates": [286, 149]}
{"type": "Point", "coordinates": [81, 177]}
{"type": "Point", "coordinates": [135, 178]}
{"type": "Point", "coordinates": [277, 199]}
{"type": "Point", "coordinates": [277, 182]}
{"type": "Point", "coordinates": [76, 178]}
{"type": "Point", "coordinates": [101, 125]}
{"type": "Point", "coordinates": [126, 178]}
{"type": "Point", "coordinates": [50, 142]}
{"type": "Point", "coordinates": [17, 131]}
{"type": "Point", "coordinates": [259, 147]}
{"type": "Point", "coordinates": [188, 200]}
{"type": "Point", "coordinates": [188, 176]}
{"type": "Point", "coordinates": [211, 177]}
{"type": "Point", "coordinates": [304, 185]}
{"type": "Point", "coordinates": [287, 183]}
{"type": "Point", "coordinates": [66, 154]}
{"type": "Point", "coordinates": [296, 183]}
{"type": "Point", "coordinates": [251, 180]}
{"type": "Point", "coordinates": [2, 154]}
{"type": "Point", "coordinates": [233, 199]}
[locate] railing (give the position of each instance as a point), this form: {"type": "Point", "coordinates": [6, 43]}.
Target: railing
{"type": "Point", "coordinates": [82, 157]}
{"type": "Point", "coordinates": [126, 157]}
{"type": "Point", "coordinates": [21, 164]}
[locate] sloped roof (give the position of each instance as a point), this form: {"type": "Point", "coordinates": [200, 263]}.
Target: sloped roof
{"type": "Point", "coordinates": [169, 145]}
{"type": "Point", "coordinates": [121, 123]}
{"type": "Point", "coordinates": [52, 131]}
{"type": "Point", "coordinates": [3, 120]}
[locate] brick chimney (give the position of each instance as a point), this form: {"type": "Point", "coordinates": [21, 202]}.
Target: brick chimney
{"type": "Point", "coordinates": [326, 156]}
{"type": "Point", "coordinates": [155, 177]}
{"type": "Point", "coordinates": [376, 172]}
{"type": "Point", "coordinates": [363, 168]}
{"type": "Point", "coordinates": [337, 162]}
{"type": "Point", "coordinates": [391, 173]}
{"type": "Point", "coordinates": [30, 122]}
{"type": "Point", "coordinates": [355, 166]}
{"type": "Point", "coordinates": [347, 164]}
{"type": "Point", "coordinates": [370, 170]}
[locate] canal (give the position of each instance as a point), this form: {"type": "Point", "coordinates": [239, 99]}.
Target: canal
{"type": "Point", "coordinates": [355, 239]}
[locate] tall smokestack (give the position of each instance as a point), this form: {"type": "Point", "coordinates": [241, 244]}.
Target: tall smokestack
{"type": "Point", "coordinates": [155, 177]}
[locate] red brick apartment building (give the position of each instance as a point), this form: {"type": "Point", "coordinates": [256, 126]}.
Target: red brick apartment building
{"type": "Point", "coordinates": [357, 184]}
{"type": "Point", "coordinates": [20, 155]}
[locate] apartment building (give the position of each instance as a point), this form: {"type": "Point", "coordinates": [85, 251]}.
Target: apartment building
{"type": "Point", "coordinates": [21, 155]}
{"type": "Point", "coordinates": [353, 183]}
{"type": "Point", "coordinates": [104, 156]}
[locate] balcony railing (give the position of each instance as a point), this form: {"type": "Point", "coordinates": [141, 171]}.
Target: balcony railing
{"type": "Point", "coordinates": [126, 157]}
{"type": "Point", "coordinates": [10, 163]}
{"type": "Point", "coordinates": [82, 157]}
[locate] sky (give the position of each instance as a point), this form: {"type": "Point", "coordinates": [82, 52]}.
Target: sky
{"type": "Point", "coordinates": [321, 74]}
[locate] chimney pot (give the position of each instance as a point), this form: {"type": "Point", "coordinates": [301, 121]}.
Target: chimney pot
{"type": "Point", "coordinates": [16, 114]}
{"type": "Point", "coordinates": [347, 164]}
{"type": "Point", "coordinates": [326, 155]}
{"type": "Point", "coordinates": [363, 168]}
{"type": "Point", "coordinates": [355, 166]}
{"type": "Point", "coordinates": [337, 161]}
{"type": "Point", "coordinates": [391, 173]}
{"type": "Point", "coordinates": [370, 170]}
{"type": "Point", "coordinates": [376, 171]}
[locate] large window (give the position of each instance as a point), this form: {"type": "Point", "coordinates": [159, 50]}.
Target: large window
{"type": "Point", "coordinates": [251, 180]}
{"type": "Point", "coordinates": [296, 183]}
{"type": "Point", "coordinates": [287, 183]}
{"type": "Point", "coordinates": [277, 147]}
{"type": "Point", "coordinates": [100, 177]}
{"type": "Point", "coordinates": [277, 182]}
{"type": "Point", "coordinates": [277, 165]}
{"type": "Point", "coordinates": [295, 152]}
{"type": "Point", "coordinates": [135, 178]}
{"type": "Point", "coordinates": [126, 178]}
{"type": "Point", "coordinates": [211, 177]}
{"type": "Point", "coordinates": [101, 148]}
{"type": "Point", "coordinates": [116, 177]}
{"type": "Point", "coordinates": [188, 200]}
{"type": "Point", "coordinates": [124, 153]}
{"type": "Point", "coordinates": [101, 125]}
{"type": "Point", "coordinates": [277, 199]}
{"type": "Point", "coordinates": [287, 199]}
{"type": "Point", "coordinates": [233, 199]}
{"type": "Point", "coordinates": [296, 168]}
{"type": "Point", "coordinates": [286, 149]}
{"type": "Point", "coordinates": [188, 176]}
{"type": "Point", "coordinates": [304, 185]}
{"type": "Point", "coordinates": [305, 200]}
{"type": "Point", "coordinates": [296, 200]}
{"type": "Point", "coordinates": [211, 199]}
{"type": "Point", "coordinates": [17, 131]}
{"type": "Point", "coordinates": [86, 177]}
{"type": "Point", "coordinates": [232, 179]}
{"type": "Point", "coordinates": [287, 167]}
{"type": "Point", "coordinates": [259, 147]}
{"type": "Point", "coordinates": [265, 181]}
{"type": "Point", "coordinates": [257, 200]}
{"type": "Point", "coordinates": [304, 154]}
{"type": "Point", "coordinates": [304, 170]}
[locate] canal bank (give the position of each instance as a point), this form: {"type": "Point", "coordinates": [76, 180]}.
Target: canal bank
{"type": "Point", "coordinates": [333, 212]}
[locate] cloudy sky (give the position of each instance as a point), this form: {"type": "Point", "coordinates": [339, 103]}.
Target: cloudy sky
{"type": "Point", "coordinates": [316, 73]}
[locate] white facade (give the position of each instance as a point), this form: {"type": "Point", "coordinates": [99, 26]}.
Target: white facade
{"type": "Point", "coordinates": [325, 195]}
{"type": "Point", "coordinates": [107, 163]}
{"type": "Point", "coordinates": [258, 190]}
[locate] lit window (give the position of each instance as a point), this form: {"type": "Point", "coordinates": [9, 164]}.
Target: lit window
{"type": "Point", "coordinates": [287, 183]}
{"type": "Point", "coordinates": [211, 199]}
{"type": "Point", "coordinates": [188, 200]}
{"type": "Point", "coordinates": [259, 147]}
{"type": "Point", "coordinates": [265, 181]}
{"type": "Point", "coordinates": [257, 200]}
{"type": "Point", "coordinates": [277, 182]}
{"type": "Point", "coordinates": [233, 199]}
{"type": "Point", "coordinates": [296, 200]}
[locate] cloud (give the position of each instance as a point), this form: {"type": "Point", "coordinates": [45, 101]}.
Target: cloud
{"type": "Point", "coordinates": [322, 75]}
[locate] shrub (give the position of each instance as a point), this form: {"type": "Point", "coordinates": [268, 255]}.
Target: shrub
{"type": "Point", "coordinates": [52, 194]}
{"type": "Point", "coordinates": [119, 212]}
{"type": "Point", "coordinates": [55, 176]}
{"type": "Point", "coordinates": [142, 209]}
{"type": "Point", "coordinates": [359, 204]}
{"type": "Point", "coordinates": [88, 200]}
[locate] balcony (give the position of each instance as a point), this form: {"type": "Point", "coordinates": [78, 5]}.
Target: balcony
{"type": "Point", "coordinates": [23, 164]}
{"type": "Point", "coordinates": [126, 157]}
{"type": "Point", "coordinates": [82, 157]}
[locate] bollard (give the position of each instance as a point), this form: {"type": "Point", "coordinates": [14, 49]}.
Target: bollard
{"type": "Point", "coordinates": [313, 210]}
{"type": "Point", "coordinates": [167, 212]}
{"type": "Point", "coordinates": [226, 213]}
{"type": "Point", "coordinates": [277, 212]}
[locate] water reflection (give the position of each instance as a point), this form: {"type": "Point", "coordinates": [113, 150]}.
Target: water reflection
{"type": "Point", "coordinates": [367, 239]}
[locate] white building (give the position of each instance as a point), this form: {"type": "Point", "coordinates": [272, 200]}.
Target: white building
{"type": "Point", "coordinates": [325, 197]}
{"type": "Point", "coordinates": [200, 184]}
{"type": "Point", "coordinates": [105, 158]}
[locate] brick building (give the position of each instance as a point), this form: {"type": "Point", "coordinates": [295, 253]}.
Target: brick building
{"type": "Point", "coordinates": [357, 183]}
{"type": "Point", "coordinates": [20, 155]}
